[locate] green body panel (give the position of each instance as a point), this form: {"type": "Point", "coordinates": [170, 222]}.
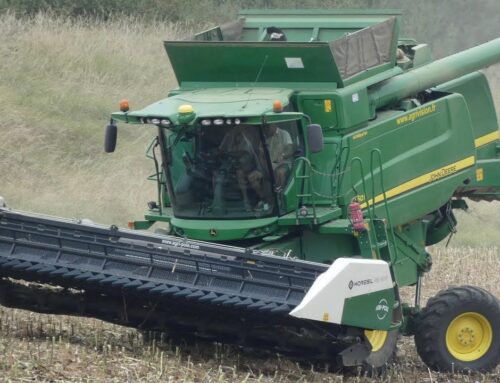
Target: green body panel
{"type": "Point", "coordinates": [320, 108]}
{"type": "Point", "coordinates": [484, 184]}
{"type": "Point", "coordinates": [336, 246]}
{"type": "Point", "coordinates": [372, 311]}
{"type": "Point", "coordinates": [490, 174]}
{"type": "Point", "coordinates": [223, 230]}
{"type": "Point", "coordinates": [406, 151]}
{"type": "Point", "coordinates": [144, 225]}
{"type": "Point", "coordinates": [476, 91]}
{"type": "Point", "coordinates": [411, 259]}
{"type": "Point", "coordinates": [323, 214]}
{"type": "Point", "coordinates": [439, 144]}
{"type": "Point", "coordinates": [264, 62]}
{"type": "Point", "coordinates": [165, 216]}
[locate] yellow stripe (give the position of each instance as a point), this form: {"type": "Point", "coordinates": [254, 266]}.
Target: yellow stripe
{"type": "Point", "coordinates": [486, 139]}
{"type": "Point", "coordinates": [424, 179]}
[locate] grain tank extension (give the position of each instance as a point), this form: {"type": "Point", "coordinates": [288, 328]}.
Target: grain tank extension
{"type": "Point", "coordinates": [303, 165]}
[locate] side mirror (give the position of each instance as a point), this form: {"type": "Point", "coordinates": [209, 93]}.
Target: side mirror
{"type": "Point", "coordinates": [315, 138]}
{"type": "Point", "coordinates": [110, 137]}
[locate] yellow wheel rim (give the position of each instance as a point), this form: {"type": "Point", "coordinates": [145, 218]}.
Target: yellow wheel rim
{"type": "Point", "coordinates": [469, 336]}
{"type": "Point", "coordinates": [376, 338]}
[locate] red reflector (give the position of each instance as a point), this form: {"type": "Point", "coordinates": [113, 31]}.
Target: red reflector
{"type": "Point", "coordinates": [131, 225]}
{"type": "Point", "coordinates": [358, 222]}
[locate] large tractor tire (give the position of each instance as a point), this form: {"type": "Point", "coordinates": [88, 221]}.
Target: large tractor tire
{"type": "Point", "coordinates": [459, 330]}
{"type": "Point", "coordinates": [384, 347]}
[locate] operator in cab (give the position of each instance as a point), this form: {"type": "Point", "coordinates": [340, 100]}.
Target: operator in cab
{"type": "Point", "coordinates": [281, 149]}
{"type": "Point", "coordinates": [241, 142]}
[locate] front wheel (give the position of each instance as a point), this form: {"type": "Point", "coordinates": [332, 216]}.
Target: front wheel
{"type": "Point", "coordinates": [459, 329]}
{"type": "Point", "coordinates": [384, 346]}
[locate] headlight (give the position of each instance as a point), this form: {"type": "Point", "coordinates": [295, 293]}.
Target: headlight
{"type": "Point", "coordinates": [206, 122]}
{"type": "Point", "coordinates": [218, 121]}
{"type": "Point", "coordinates": [165, 122]}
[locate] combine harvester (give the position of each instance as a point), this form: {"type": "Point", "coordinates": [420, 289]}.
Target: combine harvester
{"type": "Point", "coordinates": [303, 165]}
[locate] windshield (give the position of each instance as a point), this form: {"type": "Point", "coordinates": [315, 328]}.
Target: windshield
{"type": "Point", "coordinates": [230, 171]}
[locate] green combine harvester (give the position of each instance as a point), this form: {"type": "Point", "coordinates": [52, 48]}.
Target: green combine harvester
{"type": "Point", "coordinates": [304, 164]}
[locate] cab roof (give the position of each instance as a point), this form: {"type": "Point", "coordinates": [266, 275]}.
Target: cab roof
{"type": "Point", "coordinates": [221, 102]}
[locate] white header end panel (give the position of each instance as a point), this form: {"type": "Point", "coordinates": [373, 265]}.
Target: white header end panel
{"type": "Point", "coordinates": [345, 278]}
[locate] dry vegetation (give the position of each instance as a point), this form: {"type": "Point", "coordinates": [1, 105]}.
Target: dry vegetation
{"type": "Point", "coordinates": [58, 83]}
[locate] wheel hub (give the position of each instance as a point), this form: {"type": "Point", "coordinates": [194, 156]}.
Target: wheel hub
{"type": "Point", "coordinates": [466, 336]}
{"type": "Point", "coordinates": [469, 336]}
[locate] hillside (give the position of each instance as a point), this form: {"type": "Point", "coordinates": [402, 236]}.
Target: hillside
{"type": "Point", "coordinates": [60, 80]}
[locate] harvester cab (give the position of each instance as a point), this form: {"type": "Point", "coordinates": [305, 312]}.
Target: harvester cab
{"type": "Point", "coordinates": [228, 153]}
{"type": "Point", "coordinates": [237, 139]}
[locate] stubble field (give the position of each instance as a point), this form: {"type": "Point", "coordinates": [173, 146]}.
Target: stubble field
{"type": "Point", "coordinates": [58, 82]}
{"type": "Point", "coordinates": [49, 348]}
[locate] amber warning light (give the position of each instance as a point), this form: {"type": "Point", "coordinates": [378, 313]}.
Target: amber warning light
{"type": "Point", "coordinates": [124, 106]}
{"type": "Point", "coordinates": [277, 106]}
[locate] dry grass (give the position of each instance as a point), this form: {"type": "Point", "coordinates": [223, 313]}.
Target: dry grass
{"type": "Point", "coordinates": [59, 82]}
{"type": "Point", "coordinates": [49, 348]}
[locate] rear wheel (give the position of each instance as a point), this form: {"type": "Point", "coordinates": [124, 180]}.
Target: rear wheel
{"type": "Point", "coordinates": [459, 330]}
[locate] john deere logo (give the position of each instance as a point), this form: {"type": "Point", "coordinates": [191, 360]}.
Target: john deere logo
{"type": "Point", "coordinates": [213, 232]}
{"type": "Point", "coordinates": [382, 309]}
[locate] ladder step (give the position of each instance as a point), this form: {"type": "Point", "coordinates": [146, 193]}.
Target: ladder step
{"type": "Point", "coordinates": [382, 244]}
{"type": "Point", "coordinates": [396, 325]}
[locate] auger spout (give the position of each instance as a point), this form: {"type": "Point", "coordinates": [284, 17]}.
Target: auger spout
{"type": "Point", "coordinates": [438, 72]}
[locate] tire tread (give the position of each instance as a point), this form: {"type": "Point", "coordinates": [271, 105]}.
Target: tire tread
{"type": "Point", "coordinates": [430, 318]}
